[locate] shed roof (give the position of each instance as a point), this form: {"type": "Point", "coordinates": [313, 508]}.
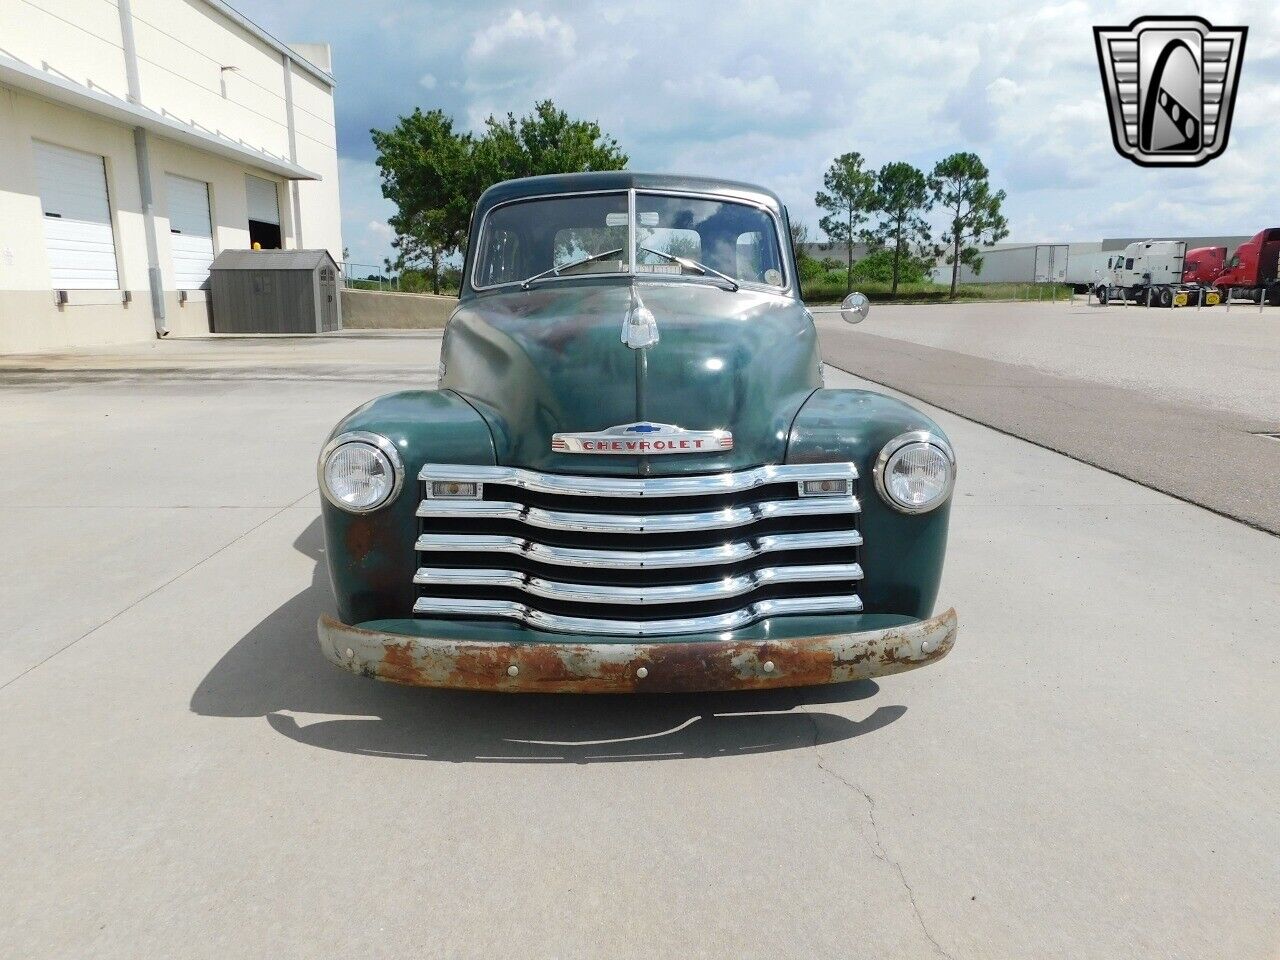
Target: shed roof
{"type": "Point", "coordinates": [271, 260]}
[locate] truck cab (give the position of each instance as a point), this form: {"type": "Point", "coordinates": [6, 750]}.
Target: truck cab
{"type": "Point", "coordinates": [1203, 265]}
{"type": "Point", "coordinates": [1252, 270]}
{"type": "Point", "coordinates": [1152, 272]}
{"type": "Point", "coordinates": [631, 476]}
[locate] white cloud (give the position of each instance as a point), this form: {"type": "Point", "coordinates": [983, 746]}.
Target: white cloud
{"type": "Point", "coordinates": [520, 28]}
{"type": "Point", "coordinates": [758, 96]}
{"type": "Point", "coordinates": [516, 46]}
{"type": "Point", "coordinates": [772, 96]}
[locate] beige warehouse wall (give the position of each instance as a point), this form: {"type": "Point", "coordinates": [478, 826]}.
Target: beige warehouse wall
{"type": "Point", "coordinates": [319, 201]}
{"type": "Point", "coordinates": [29, 319]}
{"type": "Point", "coordinates": [73, 39]}
{"type": "Point", "coordinates": [182, 47]}
{"type": "Point", "coordinates": [228, 200]}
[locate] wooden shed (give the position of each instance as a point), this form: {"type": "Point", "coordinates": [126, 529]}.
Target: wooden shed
{"type": "Point", "coordinates": [275, 291]}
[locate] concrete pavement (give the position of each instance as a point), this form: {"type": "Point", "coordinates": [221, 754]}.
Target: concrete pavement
{"type": "Point", "coordinates": [1211, 359]}
{"type": "Point", "coordinates": [1214, 456]}
{"type": "Point", "coordinates": [1091, 773]}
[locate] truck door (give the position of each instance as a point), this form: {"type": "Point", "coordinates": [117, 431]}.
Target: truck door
{"type": "Point", "coordinates": [1044, 263]}
{"type": "Point", "coordinates": [1267, 262]}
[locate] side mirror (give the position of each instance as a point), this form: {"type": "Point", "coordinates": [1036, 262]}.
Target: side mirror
{"type": "Point", "coordinates": [854, 308]}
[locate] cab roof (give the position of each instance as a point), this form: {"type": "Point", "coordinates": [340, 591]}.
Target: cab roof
{"type": "Point", "coordinates": [622, 180]}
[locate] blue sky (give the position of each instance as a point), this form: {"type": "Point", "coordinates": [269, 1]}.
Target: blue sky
{"type": "Point", "coordinates": [770, 92]}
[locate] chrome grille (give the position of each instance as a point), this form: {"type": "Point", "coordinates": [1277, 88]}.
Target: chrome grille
{"type": "Point", "coordinates": [637, 557]}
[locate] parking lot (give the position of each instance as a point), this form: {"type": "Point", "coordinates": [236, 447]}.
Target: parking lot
{"type": "Point", "coordinates": [1091, 772]}
{"type": "Point", "coordinates": [1183, 401]}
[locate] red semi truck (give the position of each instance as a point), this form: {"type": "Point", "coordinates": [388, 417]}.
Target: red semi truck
{"type": "Point", "coordinates": [1251, 272]}
{"type": "Point", "coordinates": [1203, 264]}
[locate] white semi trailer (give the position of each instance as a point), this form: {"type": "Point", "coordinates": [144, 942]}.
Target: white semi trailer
{"type": "Point", "coordinates": [1085, 271]}
{"type": "Point", "coordinates": [1023, 263]}
{"type": "Point", "coordinates": [1150, 272]}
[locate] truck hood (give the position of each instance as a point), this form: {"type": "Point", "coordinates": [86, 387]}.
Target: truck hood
{"type": "Point", "coordinates": [551, 359]}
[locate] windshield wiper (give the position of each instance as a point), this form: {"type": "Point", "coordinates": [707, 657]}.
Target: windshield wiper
{"type": "Point", "coordinates": [524, 284]}
{"type": "Point", "coordinates": [694, 265]}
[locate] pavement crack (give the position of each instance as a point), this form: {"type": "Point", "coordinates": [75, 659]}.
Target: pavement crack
{"type": "Point", "coordinates": [875, 843]}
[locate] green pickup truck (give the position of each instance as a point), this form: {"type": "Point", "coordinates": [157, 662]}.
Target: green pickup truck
{"type": "Point", "coordinates": [630, 476]}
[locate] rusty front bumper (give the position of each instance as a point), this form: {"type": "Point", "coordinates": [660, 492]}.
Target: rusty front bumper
{"type": "Point", "coordinates": [575, 666]}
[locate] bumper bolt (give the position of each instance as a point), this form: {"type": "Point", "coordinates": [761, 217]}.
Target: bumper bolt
{"type": "Point", "coordinates": [513, 671]}
{"type": "Point", "coordinates": [768, 666]}
{"type": "Point", "coordinates": [924, 646]}
{"type": "Point", "coordinates": [350, 653]}
{"type": "Point", "coordinates": [642, 672]}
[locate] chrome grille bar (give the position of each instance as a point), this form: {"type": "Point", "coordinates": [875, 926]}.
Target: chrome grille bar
{"type": "Point", "coordinates": [627, 487]}
{"type": "Point", "coordinates": [731, 586]}
{"type": "Point", "coordinates": [711, 566]}
{"type": "Point", "coordinates": [510, 610]}
{"type": "Point", "coordinates": [732, 552]}
{"type": "Point", "coordinates": [724, 519]}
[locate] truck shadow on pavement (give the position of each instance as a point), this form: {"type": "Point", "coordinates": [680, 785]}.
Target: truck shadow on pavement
{"type": "Point", "coordinates": [276, 671]}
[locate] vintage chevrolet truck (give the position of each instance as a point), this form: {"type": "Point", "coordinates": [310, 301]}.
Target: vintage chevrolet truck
{"type": "Point", "coordinates": [631, 476]}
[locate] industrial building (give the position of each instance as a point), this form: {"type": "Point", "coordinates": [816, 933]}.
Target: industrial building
{"type": "Point", "coordinates": [140, 139]}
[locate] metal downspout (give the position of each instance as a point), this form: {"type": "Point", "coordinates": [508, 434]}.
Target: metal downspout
{"type": "Point", "coordinates": [143, 157]}
{"type": "Point", "coordinates": [293, 148]}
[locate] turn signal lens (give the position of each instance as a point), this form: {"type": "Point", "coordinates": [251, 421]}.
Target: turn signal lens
{"type": "Point", "coordinates": [453, 490]}
{"type": "Point", "coordinates": [825, 488]}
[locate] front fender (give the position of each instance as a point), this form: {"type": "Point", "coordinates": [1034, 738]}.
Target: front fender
{"type": "Point", "coordinates": [902, 553]}
{"type": "Point", "coordinates": [370, 556]}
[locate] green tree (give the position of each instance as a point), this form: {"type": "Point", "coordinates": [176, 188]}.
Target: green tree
{"type": "Point", "coordinates": [546, 141]}
{"type": "Point", "coordinates": [902, 200]}
{"type": "Point", "coordinates": [420, 251]}
{"type": "Point", "coordinates": [961, 184]}
{"type": "Point", "coordinates": [806, 266]}
{"type": "Point", "coordinates": [848, 196]}
{"type": "Point", "coordinates": [434, 174]}
{"type": "Point", "coordinates": [429, 173]}
{"type": "Point", "coordinates": [877, 267]}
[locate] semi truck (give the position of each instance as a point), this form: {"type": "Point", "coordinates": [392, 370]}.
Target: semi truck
{"type": "Point", "coordinates": [1151, 272]}
{"type": "Point", "coordinates": [1203, 264]}
{"type": "Point", "coordinates": [1251, 273]}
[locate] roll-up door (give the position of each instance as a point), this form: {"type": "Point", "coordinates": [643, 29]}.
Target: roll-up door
{"type": "Point", "coordinates": [264, 213]}
{"type": "Point", "coordinates": [77, 219]}
{"type": "Point", "coordinates": [190, 231]}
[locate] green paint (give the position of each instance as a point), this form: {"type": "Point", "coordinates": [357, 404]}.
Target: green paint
{"type": "Point", "coordinates": [522, 365]}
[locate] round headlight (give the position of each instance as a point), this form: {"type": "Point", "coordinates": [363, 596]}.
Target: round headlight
{"type": "Point", "coordinates": [916, 471]}
{"type": "Point", "coordinates": [360, 471]}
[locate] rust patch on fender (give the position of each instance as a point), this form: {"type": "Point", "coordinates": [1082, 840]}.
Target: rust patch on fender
{"type": "Point", "coordinates": [670, 667]}
{"type": "Point", "coordinates": [359, 539]}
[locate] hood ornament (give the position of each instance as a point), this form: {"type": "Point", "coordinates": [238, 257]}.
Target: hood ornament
{"type": "Point", "coordinates": [639, 327]}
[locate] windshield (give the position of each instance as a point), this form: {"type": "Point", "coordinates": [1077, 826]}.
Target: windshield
{"type": "Point", "coordinates": [542, 239]}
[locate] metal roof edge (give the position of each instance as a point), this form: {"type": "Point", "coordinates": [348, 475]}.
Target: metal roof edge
{"type": "Point", "coordinates": [50, 87]}
{"type": "Point", "coordinates": [238, 18]}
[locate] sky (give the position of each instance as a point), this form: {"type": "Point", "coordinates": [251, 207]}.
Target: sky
{"type": "Point", "coordinates": [772, 92]}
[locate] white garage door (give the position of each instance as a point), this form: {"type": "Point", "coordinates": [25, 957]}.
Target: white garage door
{"type": "Point", "coordinates": [190, 231]}
{"type": "Point", "coordinates": [264, 205]}
{"type": "Point", "coordinates": [77, 219]}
